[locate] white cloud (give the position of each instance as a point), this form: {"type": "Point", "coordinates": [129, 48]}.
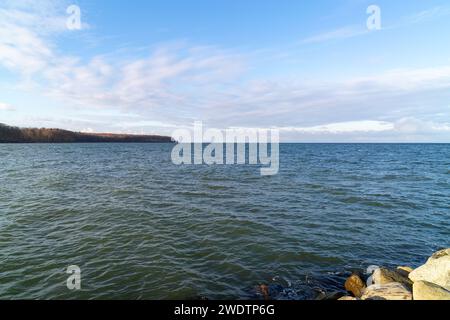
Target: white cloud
{"type": "Point", "coordinates": [390, 95]}
{"type": "Point", "coordinates": [346, 127]}
{"type": "Point", "coordinates": [404, 125]}
{"type": "Point", "coordinates": [171, 76]}
{"type": "Point", "coordinates": [25, 28]}
{"type": "Point", "coordinates": [167, 88]}
{"type": "Point", "coordinates": [166, 78]}
{"type": "Point", "coordinates": [87, 130]}
{"type": "Point", "coordinates": [413, 125]}
{"type": "Point", "coordinates": [403, 130]}
{"type": "Point", "coordinates": [6, 107]}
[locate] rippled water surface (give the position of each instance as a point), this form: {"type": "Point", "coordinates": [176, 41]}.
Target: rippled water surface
{"type": "Point", "coordinates": [140, 227]}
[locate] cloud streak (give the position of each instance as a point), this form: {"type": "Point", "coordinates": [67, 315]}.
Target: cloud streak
{"type": "Point", "coordinates": [348, 32]}
{"type": "Point", "coordinates": [337, 34]}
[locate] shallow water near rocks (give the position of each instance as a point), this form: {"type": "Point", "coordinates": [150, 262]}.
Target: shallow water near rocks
{"type": "Point", "coordinates": [140, 227]}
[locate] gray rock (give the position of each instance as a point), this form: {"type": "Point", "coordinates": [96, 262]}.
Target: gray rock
{"type": "Point", "coordinates": [423, 290]}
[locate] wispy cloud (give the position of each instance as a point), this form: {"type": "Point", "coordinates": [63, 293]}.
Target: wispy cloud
{"type": "Point", "coordinates": [337, 34]}
{"type": "Point", "coordinates": [166, 78]}
{"type": "Point", "coordinates": [170, 76]}
{"type": "Point", "coordinates": [348, 32]}
{"type": "Point", "coordinates": [427, 15]}
{"type": "Point", "coordinates": [6, 107]}
{"type": "Point", "coordinates": [391, 94]}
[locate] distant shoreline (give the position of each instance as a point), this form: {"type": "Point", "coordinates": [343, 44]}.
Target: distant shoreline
{"type": "Point", "coordinates": [15, 135]}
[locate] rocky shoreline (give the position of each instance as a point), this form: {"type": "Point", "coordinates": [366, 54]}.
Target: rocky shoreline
{"type": "Point", "coordinates": [430, 281]}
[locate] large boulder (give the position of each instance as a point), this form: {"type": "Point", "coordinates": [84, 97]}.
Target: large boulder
{"type": "Point", "coordinates": [389, 291]}
{"type": "Point", "coordinates": [423, 290]}
{"type": "Point", "coordinates": [384, 276]}
{"type": "Point", "coordinates": [355, 285]}
{"type": "Point", "coordinates": [436, 270]}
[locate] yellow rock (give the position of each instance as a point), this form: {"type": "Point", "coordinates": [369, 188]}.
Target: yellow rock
{"type": "Point", "coordinates": [436, 270]}
{"type": "Point", "coordinates": [423, 290]}
{"type": "Point", "coordinates": [385, 276]}
{"type": "Point", "coordinates": [355, 285]}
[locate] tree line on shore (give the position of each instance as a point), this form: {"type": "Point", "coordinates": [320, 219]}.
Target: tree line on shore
{"type": "Point", "coordinates": [9, 134]}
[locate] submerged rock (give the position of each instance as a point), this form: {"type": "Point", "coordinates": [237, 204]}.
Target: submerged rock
{"type": "Point", "coordinates": [271, 291]}
{"type": "Point", "coordinates": [423, 290]}
{"type": "Point", "coordinates": [389, 291]}
{"type": "Point", "coordinates": [384, 276]}
{"type": "Point", "coordinates": [330, 296]}
{"type": "Point", "coordinates": [264, 291]}
{"type": "Point", "coordinates": [355, 285]}
{"type": "Point", "coordinates": [436, 270]}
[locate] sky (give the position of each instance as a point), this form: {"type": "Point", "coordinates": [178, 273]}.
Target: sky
{"type": "Point", "coordinates": [312, 69]}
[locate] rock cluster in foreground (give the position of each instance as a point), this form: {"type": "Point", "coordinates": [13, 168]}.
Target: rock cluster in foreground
{"type": "Point", "coordinates": [428, 282]}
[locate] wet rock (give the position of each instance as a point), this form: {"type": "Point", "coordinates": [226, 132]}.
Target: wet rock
{"type": "Point", "coordinates": [389, 291]}
{"type": "Point", "coordinates": [423, 290]}
{"type": "Point", "coordinates": [384, 276]}
{"type": "Point", "coordinates": [436, 270]}
{"type": "Point", "coordinates": [355, 285]}
{"type": "Point", "coordinates": [348, 298]}
{"type": "Point", "coordinates": [404, 271]}
{"type": "Point", "coordinates": [330, 296]}
{"type": "Point", "coordinates": [264, 291]}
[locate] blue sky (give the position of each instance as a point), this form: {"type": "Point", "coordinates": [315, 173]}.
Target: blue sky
{"type": "Point", "coordinates": [310, 68]}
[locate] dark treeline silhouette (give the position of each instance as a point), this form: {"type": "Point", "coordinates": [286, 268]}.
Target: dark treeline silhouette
{"type": "Point", "coordinates": [10, 134]}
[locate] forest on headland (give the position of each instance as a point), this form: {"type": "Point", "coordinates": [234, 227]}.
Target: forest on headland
{"type": "Point", "coordinates": [9, 134]}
